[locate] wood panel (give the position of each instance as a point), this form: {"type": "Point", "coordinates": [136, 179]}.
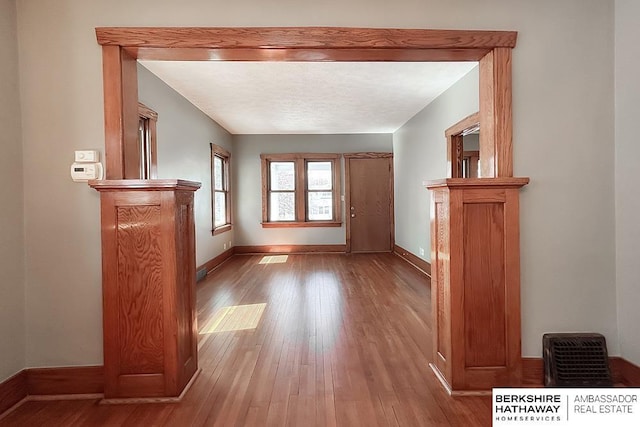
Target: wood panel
{"type": "Point", "coordinates": [288, 249]}
{"type": "Point", "coordinates": [12, 391]}
{"type": "Point", "coordinates": [369, 207]}
{"type": "Point", "coordinates": [484, 285]}
{"type": "Point", "coordinates": [149, 323]}
{"type": "Point", "coordinates": [303, 37]}
{"type": "Point", "coordinates": [411, 258]}
{"type": "Point", "coordinates": [343, 340]}
{"type": "Point", "coordinates": [120, 85]}
{"type": "Point", "coordinates": [476, 282]}
{"type": "Point", "coordinates": [65, 380]}
{"type": "Point", "coordinates": [496, 137]}
{"type": "Point", "coordinates": [140, 293]}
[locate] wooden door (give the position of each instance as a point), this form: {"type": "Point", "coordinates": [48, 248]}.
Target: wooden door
{"type": "Point", "coordinates": [369, 202]}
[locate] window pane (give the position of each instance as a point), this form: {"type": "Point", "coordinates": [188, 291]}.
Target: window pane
{"type": "Point", "coordinates": [282, 175]}
{"type": "Point", "coordinates": [220, 215]}
{"type": "Point", "coordinates": [282, 207]}
{"type": "Point", "coordinates": [320, 205]}
{"type": "Point", "coordinates": [319, 176]}
{"type": "Point", "coordinates": [218, 173]}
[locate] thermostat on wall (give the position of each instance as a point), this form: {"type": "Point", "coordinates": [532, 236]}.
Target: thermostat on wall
{"type": "Point", "coordinates": [83, 172]}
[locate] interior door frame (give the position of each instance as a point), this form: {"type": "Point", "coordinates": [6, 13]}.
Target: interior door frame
{"type": "Point", "coordinates": [455, 149]}
{"type": "Point", "coordinates": [347, 194]}
{"type": "Point", "coordinates": [122, 46]}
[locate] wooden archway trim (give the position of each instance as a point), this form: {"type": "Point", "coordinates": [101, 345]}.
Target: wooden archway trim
{"type": "Point", "coordinates": [122, 46]}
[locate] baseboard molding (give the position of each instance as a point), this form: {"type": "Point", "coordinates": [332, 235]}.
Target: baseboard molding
{"type": "Point", "coordinates": [67, 380]}
{"type": "Point", "coordinates": [626, 372]}
{"type": "Point", "coordinates": [532, 372]}
{"type": "Point", "coordinates": [289, 249]}
{"type": "Point", "coordinates": [65, 383]}
{"type": "Point", "coordinates": [412, 259]}
{"type": "Point", "coordinates": [215, 262]}
{"type": "Point", "coordinates": [622, 372]}
{"type": "Point", "coordinates": [13, 391]}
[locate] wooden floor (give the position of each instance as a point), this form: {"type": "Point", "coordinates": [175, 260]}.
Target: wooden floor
{"type": "Point", "coordinates": [340, 340]}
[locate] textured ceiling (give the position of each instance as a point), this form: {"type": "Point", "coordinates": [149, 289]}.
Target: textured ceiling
{"type": "Point", "coordinates": [309, 97]}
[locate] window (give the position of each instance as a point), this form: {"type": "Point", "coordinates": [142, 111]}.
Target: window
{"type": "Point", "coordinates": [301, 190]}
{"type": "Point", "coordinates": [147, 119]}
{"type": "Point", "coordinates": [220, 189]}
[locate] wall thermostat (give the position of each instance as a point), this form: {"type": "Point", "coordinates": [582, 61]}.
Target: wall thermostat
{"type": "Point", "coordinates": [86, 166]}
{"type": "Point", "coordinates": [83, 172]}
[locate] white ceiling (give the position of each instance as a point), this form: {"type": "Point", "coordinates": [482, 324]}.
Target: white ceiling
{"type": "Point", "coordinates": [309, 97]}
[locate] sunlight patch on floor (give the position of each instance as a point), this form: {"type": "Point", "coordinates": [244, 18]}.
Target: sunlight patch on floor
{"type": "Point", "coordinates": [274, 259]}
{"type": "Point", "coordinates": [235, 318]}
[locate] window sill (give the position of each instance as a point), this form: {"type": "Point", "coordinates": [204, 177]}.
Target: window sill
{"type": "Point", "coordinates": [291, 224]}
{"type": "Point", "coordinates": [221, 229]}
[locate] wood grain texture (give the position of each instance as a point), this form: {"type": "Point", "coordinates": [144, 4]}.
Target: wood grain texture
{"type": "Point", "coordinates": [12, 391]}
{"type": "Point", "coordinates": [369, 208]}
{"type": "Point", "coordinates": [302, 37]}
{"type": "Point", "coordinates": [301, 44]}
{"type": "Point", "coordinates": [344, 340]}
{"type": "Point", "coordinates": [484, 285]}
{"type": "Point", "coordinates": [307, 54]}
{"type": "Point", "coordinates": [120, 85]}
{"type": "Point", "coordinates": [413, 259]}
{"type": "Point", "coordinates": [65, 380]}
{"type": "Point", "coordinates": [287, 249]}
{"type": "Point", "coordinates": [140, 293]}
{"type": "Point", "coordinates": [149, 326]}
{"type": "Point", "coordinates": [476, 282]}
{"type": "Point", "coordinates": [496, 137]}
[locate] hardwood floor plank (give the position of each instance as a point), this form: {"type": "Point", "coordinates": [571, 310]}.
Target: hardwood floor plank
{"type": "Point", "coordinates": [342, 340]}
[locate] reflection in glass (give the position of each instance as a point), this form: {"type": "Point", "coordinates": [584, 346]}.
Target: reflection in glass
{"type": "Point", "coordinates": [282, 206]}
{"type": "Point", "coordinates": [220, 215]}
{"type": "Point", "coordinates": [283, 176]}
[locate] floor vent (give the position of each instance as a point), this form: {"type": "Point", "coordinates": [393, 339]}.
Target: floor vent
{"type": "Point", "coordinates": [201, 274]}
{"type": "Point", "coordinates": [575, 360]}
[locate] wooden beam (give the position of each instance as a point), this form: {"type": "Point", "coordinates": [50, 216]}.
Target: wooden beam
{"type": "Point", "coordinates": [496, 136]}
{"type": "Point", "coordinates": [302, 37]}
{"type": "Point", "coordinates": [120, 84]}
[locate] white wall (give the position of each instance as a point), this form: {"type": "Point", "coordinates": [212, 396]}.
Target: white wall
{"type": "Point", "coordinates": [420, 154]}
{"type": "Point", "coordinates": [627, 95]}
{"type": "Point", "coordinates": [563, 104]}
{"type": "Point", "coordinates": [248, 196]}
{"type": "Point", "coordinates": [184, 135]}
{"type": "Point", "coordinates": [12, 304]}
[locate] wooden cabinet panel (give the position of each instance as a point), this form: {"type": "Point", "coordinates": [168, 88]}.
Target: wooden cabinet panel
{"type": "Point", "coordinates": [484, 285]}
{"type": "Point", "coordinates": [476, 282]}
{"type": "Point", "coordinates": [148, 250]}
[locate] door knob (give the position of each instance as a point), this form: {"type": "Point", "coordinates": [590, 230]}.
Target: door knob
{"type": "Point", "coordinates": [353, 215]}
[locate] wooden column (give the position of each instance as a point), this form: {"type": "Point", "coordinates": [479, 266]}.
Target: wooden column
{"type": "Point", "coordinates": [475, 282]}
{"type": "Point", "coordinates": [148, 282]}
{"type": "Point", "coordinates": [120, 85]}
{"type": "Point", "coordinates": [496, 134]}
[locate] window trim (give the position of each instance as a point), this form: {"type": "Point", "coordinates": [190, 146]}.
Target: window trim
{"type": "Point", "coordinates": [300, 189]}
{"type": "Point", "coordinates": [218, 151]}
{"type": "Point", "coordinates": [149, 163]}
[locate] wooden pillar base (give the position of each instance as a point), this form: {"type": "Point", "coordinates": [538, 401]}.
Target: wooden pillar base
{"type": "Point", "coordinates": [475, 283]}
{"type": "Point", "coordinates": [148, 282]}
